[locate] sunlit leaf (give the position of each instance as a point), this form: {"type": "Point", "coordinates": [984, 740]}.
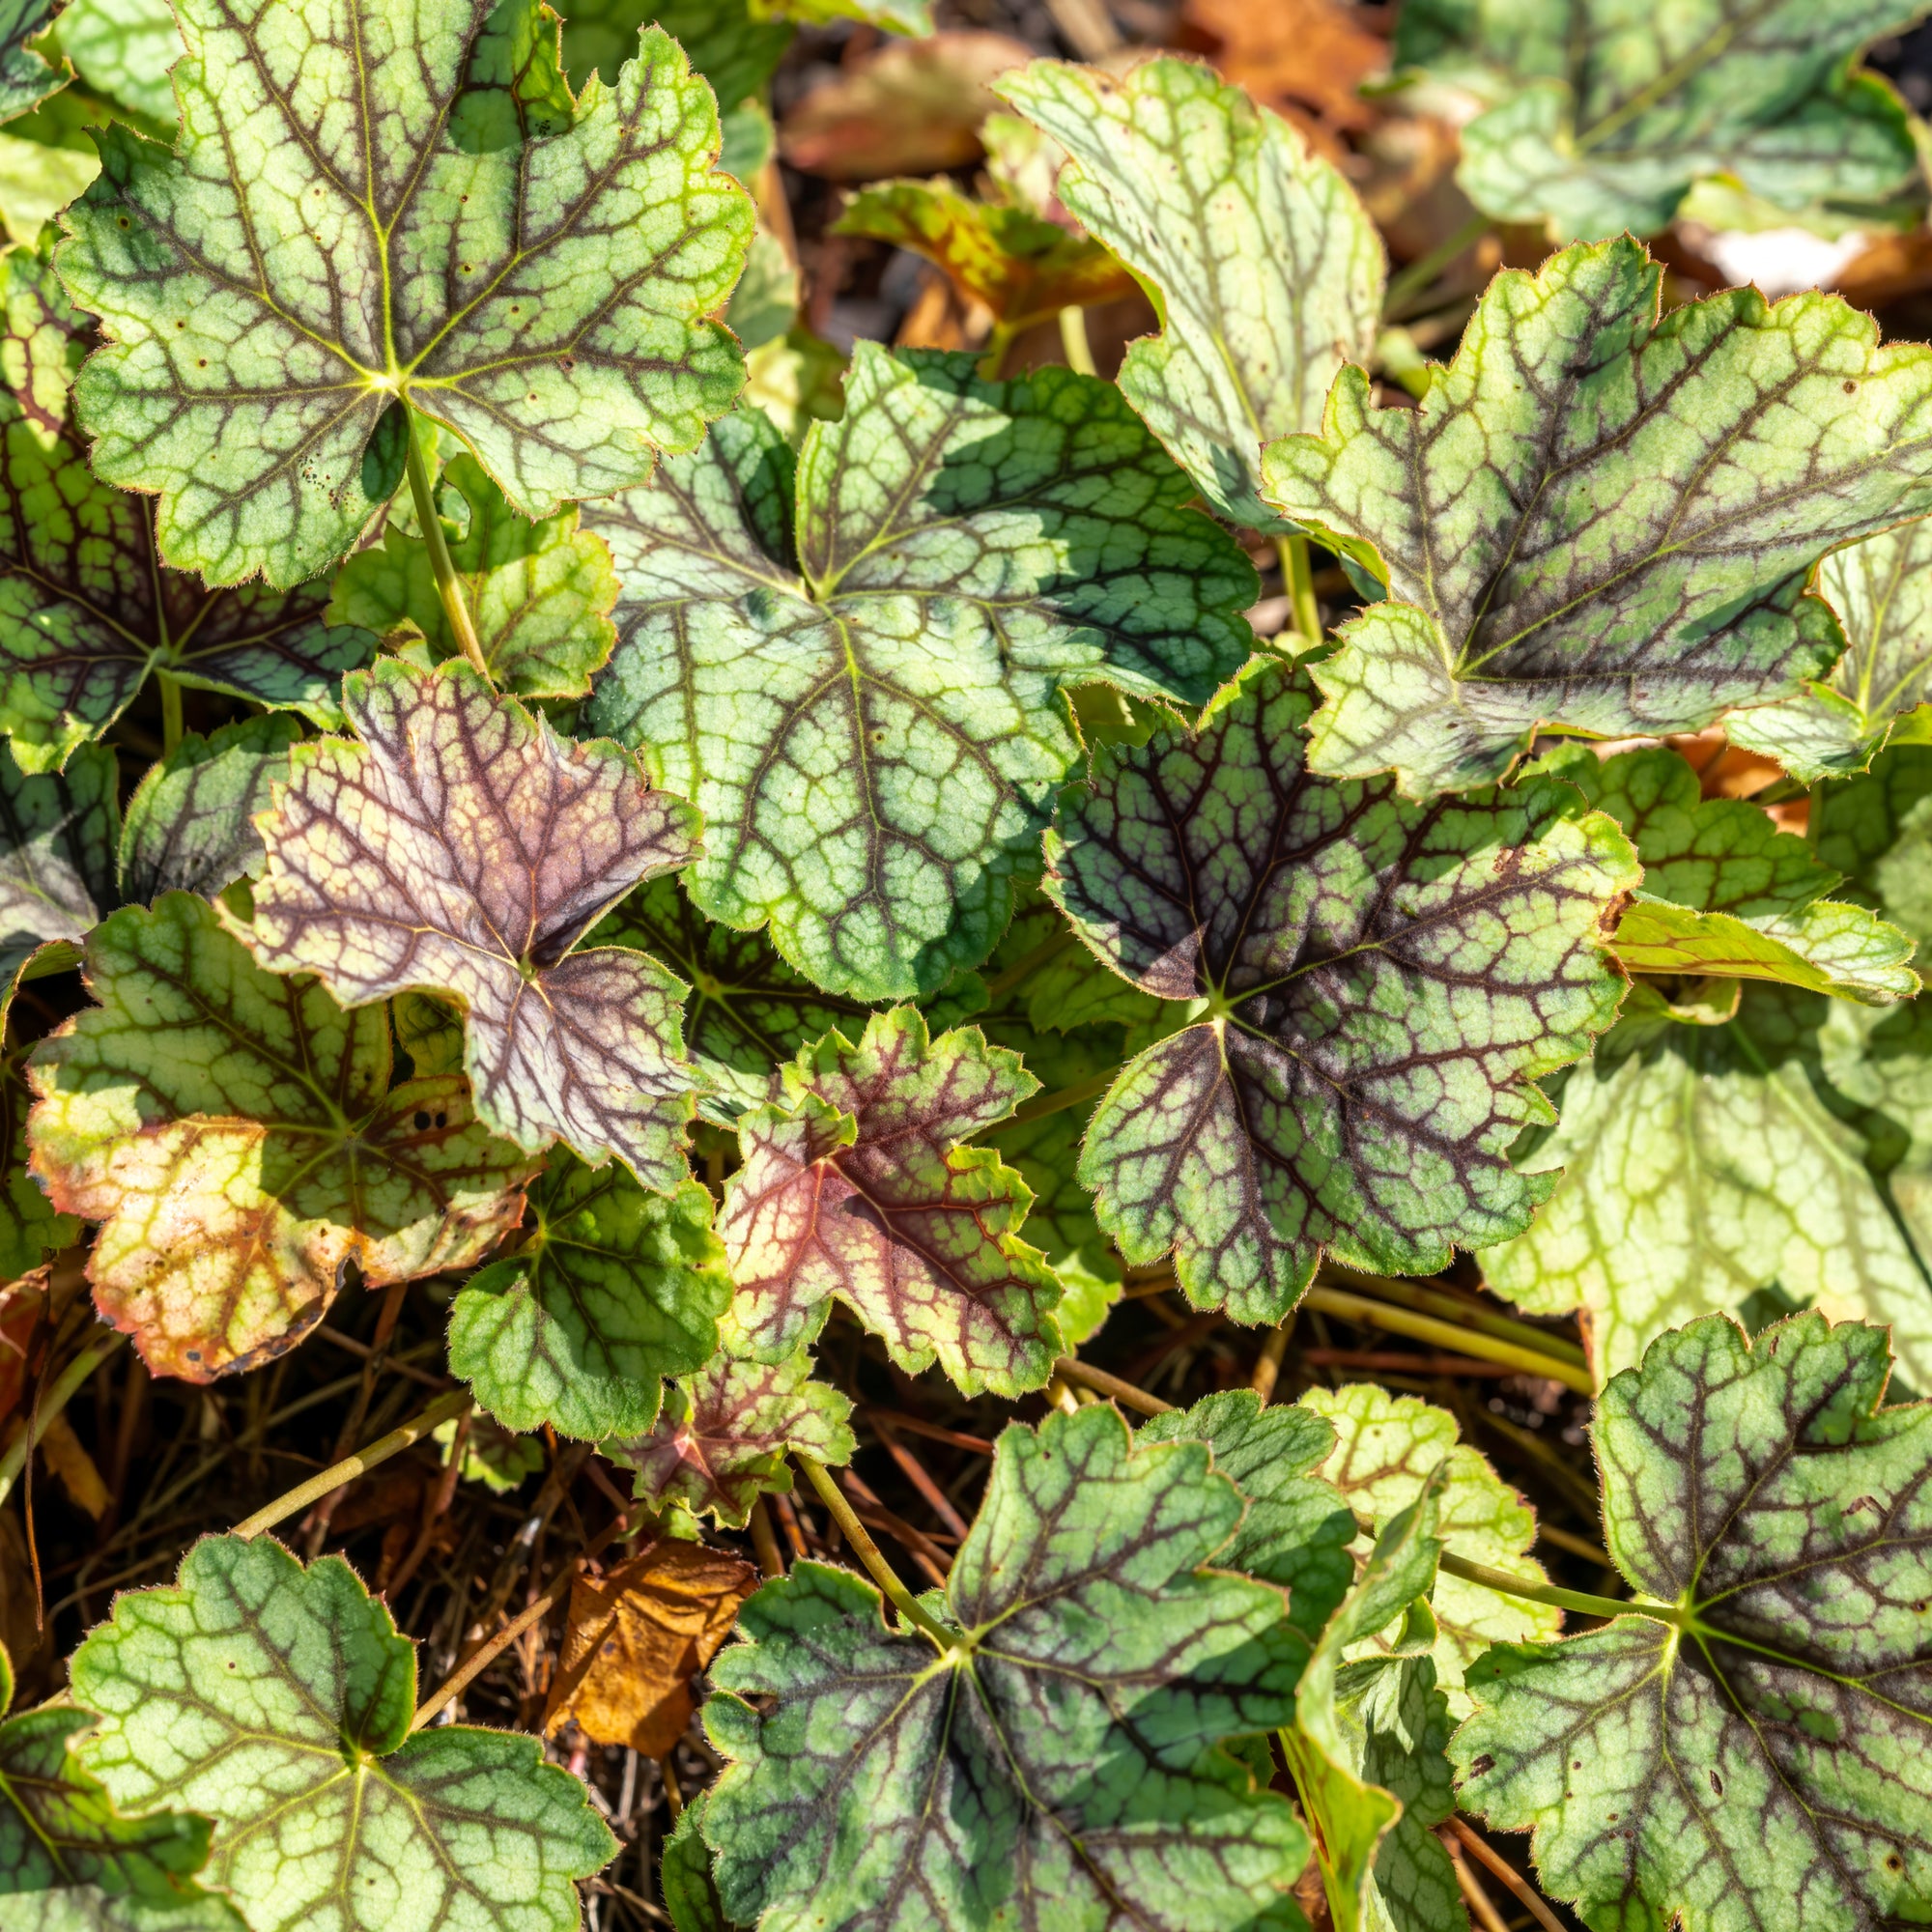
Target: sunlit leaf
{"type": "Point", "coordinates": [1385, 1447]}
{"type": "Point", "coordinates": [1763, 1761]}
{"type": "Point", "coordinates": [609, 1289]}
{"type": "Point", "coordinates": [1598, 517]}
{"type": "Point", "coordinates": [724, 1434]}
{"type": "Point", "coordinates": [1385, 983]}
{"type": "Point", "coordinates": [58, 831]}
{"type": "Point", "coordinates": [191, 825]}
{"type": "Point", "coordinates": [29, 1228]}
{"type": "Point", "coordinates": [278, 1701]}
{"type": "Point", "coordinates": [123, 49]}
{"type": "Point", "coordinates": [1059, 1765]}
{"type": "Point", "coordinates": [451, 230]}
{"type": "Point", "coordinates": [26, 79]}
{"type": "Point", "coordinates": [1268, 271]}
{"type": "Point", "coordinates": [855, 1185]}
{"type": "Point", "coordinates": [1600, 118]}
{"type": "Point", "coordinates": [539, 594]}
{"type": "Point", "coordinates": [237, 1135]}
{"type": "Point", "coordinates": [457, 846]}
{"type": "Point", "coordinates": [862, 689]}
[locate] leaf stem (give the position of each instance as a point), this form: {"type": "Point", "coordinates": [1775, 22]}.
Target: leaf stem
{"type": "Point", "coordinates": [1506, 1585]}
{"type": "Point", "coordinates": [449, 588]}
{"type": "Point", "coordinates": [1426, 1300]}
{"type": "Point", "coordinates": [1424, 269]}
{"type": "Point", "coordinates": [171, 710]}
{"type": "Point", "coordinates": [351, 1466]}
{"type": "Point", "coordinates": [1043, 1104]}
{"type": "Point", "coordinates": [1297, 581]}
{"type": "Point", "coordinates": [867, 1551]}
{"type": "Point", "coordinates": [993, 358]}
{"type": "Point", "coordinates": [13, 1459]}
{"type": "Point", "coordinates": [1462, 1340]}
{"type": "Point", "coordinates": [1073, 343]}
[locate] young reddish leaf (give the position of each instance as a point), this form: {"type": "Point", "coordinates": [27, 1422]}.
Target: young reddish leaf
{"type": "Point", "coordinates": [237, 1135]}
{"type": "Point", "coordinates": [855, 1185]}
{"type": "Point", "coordinates": [637, 1635]}
{"type": "Point", "coordinates": [458, 847]}
{"type": "Point", "coordinates": [1384, 982]}
{"type": "Point", "coordinates": [724, 1434]}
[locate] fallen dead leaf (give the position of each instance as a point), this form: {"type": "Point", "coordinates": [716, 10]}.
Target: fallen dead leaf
{"type": "Point", "coordinates": [66, 1456]}
{"type": "Point", "coordinates": [636, 1637]}
{"type": "Point", "coordinates": [1304, 58]}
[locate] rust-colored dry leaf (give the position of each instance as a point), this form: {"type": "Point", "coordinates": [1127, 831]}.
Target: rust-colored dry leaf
{"type": "Point", "coordinates": [635, 1638]}
{"type": "Point", "coordinates": [67, 1458]}
{"type": "Point", "coordinates": [1307, 58]}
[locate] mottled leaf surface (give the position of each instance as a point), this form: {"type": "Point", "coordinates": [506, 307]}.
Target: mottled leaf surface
{"type": "Point", "coordinates": [609, 1289]}
{"type": "Point", "coordinates": [237, 1135]}
{"type": "Point", "coordinates": [724, 1434]}
{"type": "Point", "coordinates": [733, 44]}
{"type": "Point", "coordinates": [86, 611]}
{"type": "Point", "coordinates": [1727, 894]}
{"type": "Point", "coordinates": [856, 669]}
{"type": "Point", "coordinates": [1704, 1166]}
{"type": "Point", "coordinates": [1600, 116]}
{"type": "Point", "coordinates": [30, 1226]}
{"type": "Point", "coordinates": [1058, 1767]}
{"type": "Point", "coordinates": [367, 207]}
{"type": "Point", "coordinates": [1386, 1447]}
{"type": "Point", "coordinates": [1023, 268]}
{"type": "Point", "coordinates": [57, 837]}
{"type": "Point", "coordinates": [1600, 517]}
{"type": "Point", "coordinates": [457, 846]}
{"type": "Point", "coordinates": [540, 594]}
{"type": "Point", "coordinates": [1384, 980]}
{"type": "Point", "coordinates": [123, 49]}
{"type": "Point", "coordinates": [684, 1873]}
{"type": "Point", "coordinates": [1269, 271]}
{"type": "Point", "coordinates": [1764, 1763]}
{"type": "Point", "coordinates": [276, 1700]}
{"type": "Point", "coordinates": [856, 1186]}
{"type": "Point", "coordinates": [1876, 829]}
{"type": "Point", "coordinates": [1878, 691]}
{"type": "Point", "coordinates": [191, 825]}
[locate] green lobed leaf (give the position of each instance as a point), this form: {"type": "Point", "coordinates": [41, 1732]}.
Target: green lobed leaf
{"type": "Point", "coordinates": [1386, 1448]}
{"type": "Point", "coordinates": [1764, 1762]}
{"type": "Point", "coordinates": [30, 1226]}
{"type": "Point", "coordinates": [724, 1432]}
{"type": "Point", "coordinates": [191, 825]}
{"type": "Point", "coordinates": [765, 303]}
{"type": "Point", "coordinates": [58, 831]}
{"type": "Point", "coordinates": [1383, 982]}
{"type": "Point", "coordinates": [1599, 519]}
{"type": "Point", "coordinates": [1266, 269]}
{"type": "Point", "coordinates": [123, 49]}
{"type": "Point", "coordinates": [87, 612]}
{"type": "Point", "coordinates": [731, 43]}
{"type": "Point", "coordinates": [1058, 1766]}
{"type": "Point", "coordinates": [453, 233]}
{"type": "Point", "coordinates": [611, 1290]}
{"type": "Point", "coordinates": [1737, 1167]}
{"type": "Point", "coordinates": [856, 1186]}
{"type": "Point", "coordinates": [1022, 268]}
{"type": "Point", "coordinates": [539, 594]}
{"type": "Point", "coordinates": [1876, 829]}
{"type": "Point", "coordinates": [277, 1700]}
{"type": "Point", "coordinates": [855, 671]}
{"type": "Point", "coordinates": [1366, 1749]}
{"type": "Point", "coordinates": [1600, 118]}
{"type": "Point", "coordinates": [25, 78]}
{"type": "Point", "coordinates": [1725, 893]}
{"type": "Point", "coordinates": [747, 1010]}
{"type": "Point", "coordinates": [1877, 693]}
{"type": "Point", "coordinates": [684, 1874]}
{"type": "Point", "coordinates": [237, 1135]}
{"type": "Point", "coordinates": [495, 1457]}
{"type": "Point", "coordinates": [457, 846]}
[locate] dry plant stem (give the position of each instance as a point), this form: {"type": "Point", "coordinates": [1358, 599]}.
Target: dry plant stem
{"type": "Point", "coordinates": [435, 1505]}
{"type": "Point", "coordinates": [1509, 1876]}
{"type": "Point", "coordinates": [764, 1540]}
{"type": "Point", "coordinates": [1268, 1364]}
{"type": "Point", "coordinates": [1360, 1309]}
{"type": "Point", "coordinates": [460, 625]}
{"type": "Point", "coordinates": [1427, 1301]}
{"type": "Point", "coordinates": [1073, 343]}
{"type": "Point", "coordinates": [1086, 27]}
{"type": "Point", "coordinates": [65, 1385]}
{"type": "Point", "coordinates": [915, 1472]}
{"type": "Point", "coordinates": [386, 1317]}
{"type": "Point", "coordinates": [1576, 1546]}
{"type": "Point", "coordinates": [456, 1403]}
{"type": "Point", "coordinates": [1298, 583]}
{"type": "Point", "coordinates": [171, 710]}
{"type": "Point", "coordinates": [1473, 1895]}
{"type": "Point", "coordinates": [1102, 1383]}
{"type": "Point", "coordinates": [867, 1551]}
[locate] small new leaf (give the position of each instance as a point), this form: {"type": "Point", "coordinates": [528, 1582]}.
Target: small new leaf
{"type": "Point", "coordinates": [1598, 517]}
{"type": "Point", "coordinates": [1268, 271]}
{"type": "Point", "coordinates": [451, 233]}
{"type": "Point", "coordinates": [1059, 1764]}
{"type": "Point", "coordinates": [236, 1134]}
{"type": "Point", "coordinates": [1758, 1759]}
{"type": "Point", "coordinates": [612, 1289]}
{"type": "Point", "coordinates": [855, 1185]}
{"type": "Point", "coordinates": [862, 689]}
{"type": "Point", "coordinates": [458, 847]}
{"type": "Point", "coordinates": [724, 1434]}
{"type": "Point", "coordinates": [278, 1701]}
{"type": "Point", "coordinates": [1385, 983]}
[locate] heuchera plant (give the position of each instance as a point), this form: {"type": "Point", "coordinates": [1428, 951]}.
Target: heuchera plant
{"type": "Point", "coordinates": [688, 865]}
